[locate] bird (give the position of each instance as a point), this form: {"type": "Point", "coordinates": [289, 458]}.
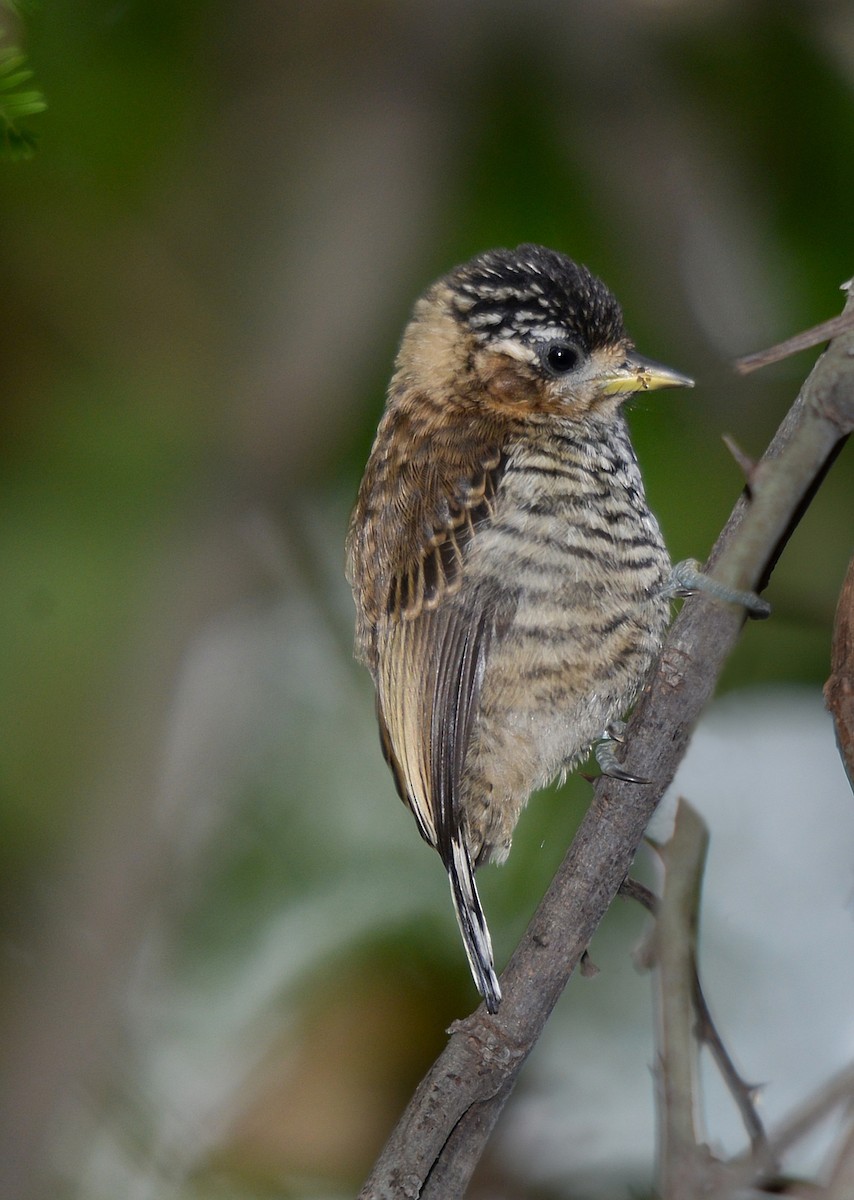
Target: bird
{"type": "Point", "coordinates": [512, 587]}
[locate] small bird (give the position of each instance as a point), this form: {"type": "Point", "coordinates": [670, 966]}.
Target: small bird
{"type": "Point", "coordinates": [511, 585]}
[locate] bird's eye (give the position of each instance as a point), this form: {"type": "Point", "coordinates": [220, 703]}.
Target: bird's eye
{"type": "Point", "coordinates": [561, 357]}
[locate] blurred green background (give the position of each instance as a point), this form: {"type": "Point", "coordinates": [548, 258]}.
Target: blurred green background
{"type": "Point", "coordinates": [227, 956]}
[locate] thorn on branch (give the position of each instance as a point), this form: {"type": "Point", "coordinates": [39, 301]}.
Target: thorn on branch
{"type": "Point", "coordinates": [588, 967]}
{"type": "Point", "coordinates": [643, 955]}
{"type": "Point", "coordinates": [745, 463]}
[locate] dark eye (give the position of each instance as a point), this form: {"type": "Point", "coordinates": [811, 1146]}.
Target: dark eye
{"type": "Point", "coordinates": [561, 357]}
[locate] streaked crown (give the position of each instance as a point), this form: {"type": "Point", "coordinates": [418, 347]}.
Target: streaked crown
{"type": "Point", "coordinates": [533, 293]}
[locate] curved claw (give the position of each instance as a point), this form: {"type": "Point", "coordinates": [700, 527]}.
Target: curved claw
{"type": "Point", "coordinates": [604, 754]}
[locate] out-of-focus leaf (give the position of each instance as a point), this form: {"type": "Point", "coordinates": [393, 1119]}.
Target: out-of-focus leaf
{"type": "Point", "coordinates": [17, 142]}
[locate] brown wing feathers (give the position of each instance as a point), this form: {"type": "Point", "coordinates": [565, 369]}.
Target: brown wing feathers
{"type": "Point", "coordinates": [426, 645]}
{"type": "Point", "coordinates": [434, 568]}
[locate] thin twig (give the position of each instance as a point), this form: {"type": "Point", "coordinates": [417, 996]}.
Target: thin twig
{"type": "Point", "coordinates": [633, 889]}
{"type": "Point", "coordinates": [741, 1091]}
{"type": "Point", "coordinates": [459, 1099]}
{"type": "Point", "coordinates": [793, 345]}
{"type": "Point", "coordinates": [762, 1162]}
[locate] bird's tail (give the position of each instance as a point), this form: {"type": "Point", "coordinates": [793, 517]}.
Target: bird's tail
{"type": "Point", "coordinates": [472, 923]}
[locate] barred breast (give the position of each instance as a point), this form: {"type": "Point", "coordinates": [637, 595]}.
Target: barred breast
{"type": "Point", "coordinates": [575, 562]}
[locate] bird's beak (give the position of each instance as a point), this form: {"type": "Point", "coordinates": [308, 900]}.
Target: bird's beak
{"type": "Point", "coordinates": [637, 374]}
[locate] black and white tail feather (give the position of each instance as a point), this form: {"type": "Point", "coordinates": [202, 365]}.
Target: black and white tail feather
{"type": "Point", "coordinates": [472, 922]}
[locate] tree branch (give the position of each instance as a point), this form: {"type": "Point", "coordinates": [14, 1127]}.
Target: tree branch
{"type": "Point", "coordinates": [683, 1158]}
{"type": "Point", "coordinates": [706, 1030]}
{"type": "Point", "coordinates": [442, 1133]}
{"type": "Point", "coordinates": [839, 689]}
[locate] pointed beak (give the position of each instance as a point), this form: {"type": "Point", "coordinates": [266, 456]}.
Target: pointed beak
{"type": "Point", "coordinates": [638, 374]}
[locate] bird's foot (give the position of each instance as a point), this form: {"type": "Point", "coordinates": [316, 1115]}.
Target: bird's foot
{"type": "Point", "coordinates": [604, 754]}
{"type": "Point", "coordinates": [686, 578]}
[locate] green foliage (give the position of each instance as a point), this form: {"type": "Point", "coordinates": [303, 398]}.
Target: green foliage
{"type": "Point", "coordinates": [17, 102]}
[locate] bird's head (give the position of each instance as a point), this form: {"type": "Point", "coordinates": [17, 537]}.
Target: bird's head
{"type": "Point", "coordinates": [530, 331]}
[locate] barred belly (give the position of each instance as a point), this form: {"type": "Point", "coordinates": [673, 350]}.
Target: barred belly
{"type": "Point", "coordinates": [582, 571]}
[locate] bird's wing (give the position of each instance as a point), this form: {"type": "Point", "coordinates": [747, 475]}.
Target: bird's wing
{"type": "Point", "coordinates": [420, 502]}
{"type": "Point", "coordinates": [426, 638]}
{"type": "Point", "coordinates": [427, 692]}
{"type": "Point", "coordinates": [428, 687]}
